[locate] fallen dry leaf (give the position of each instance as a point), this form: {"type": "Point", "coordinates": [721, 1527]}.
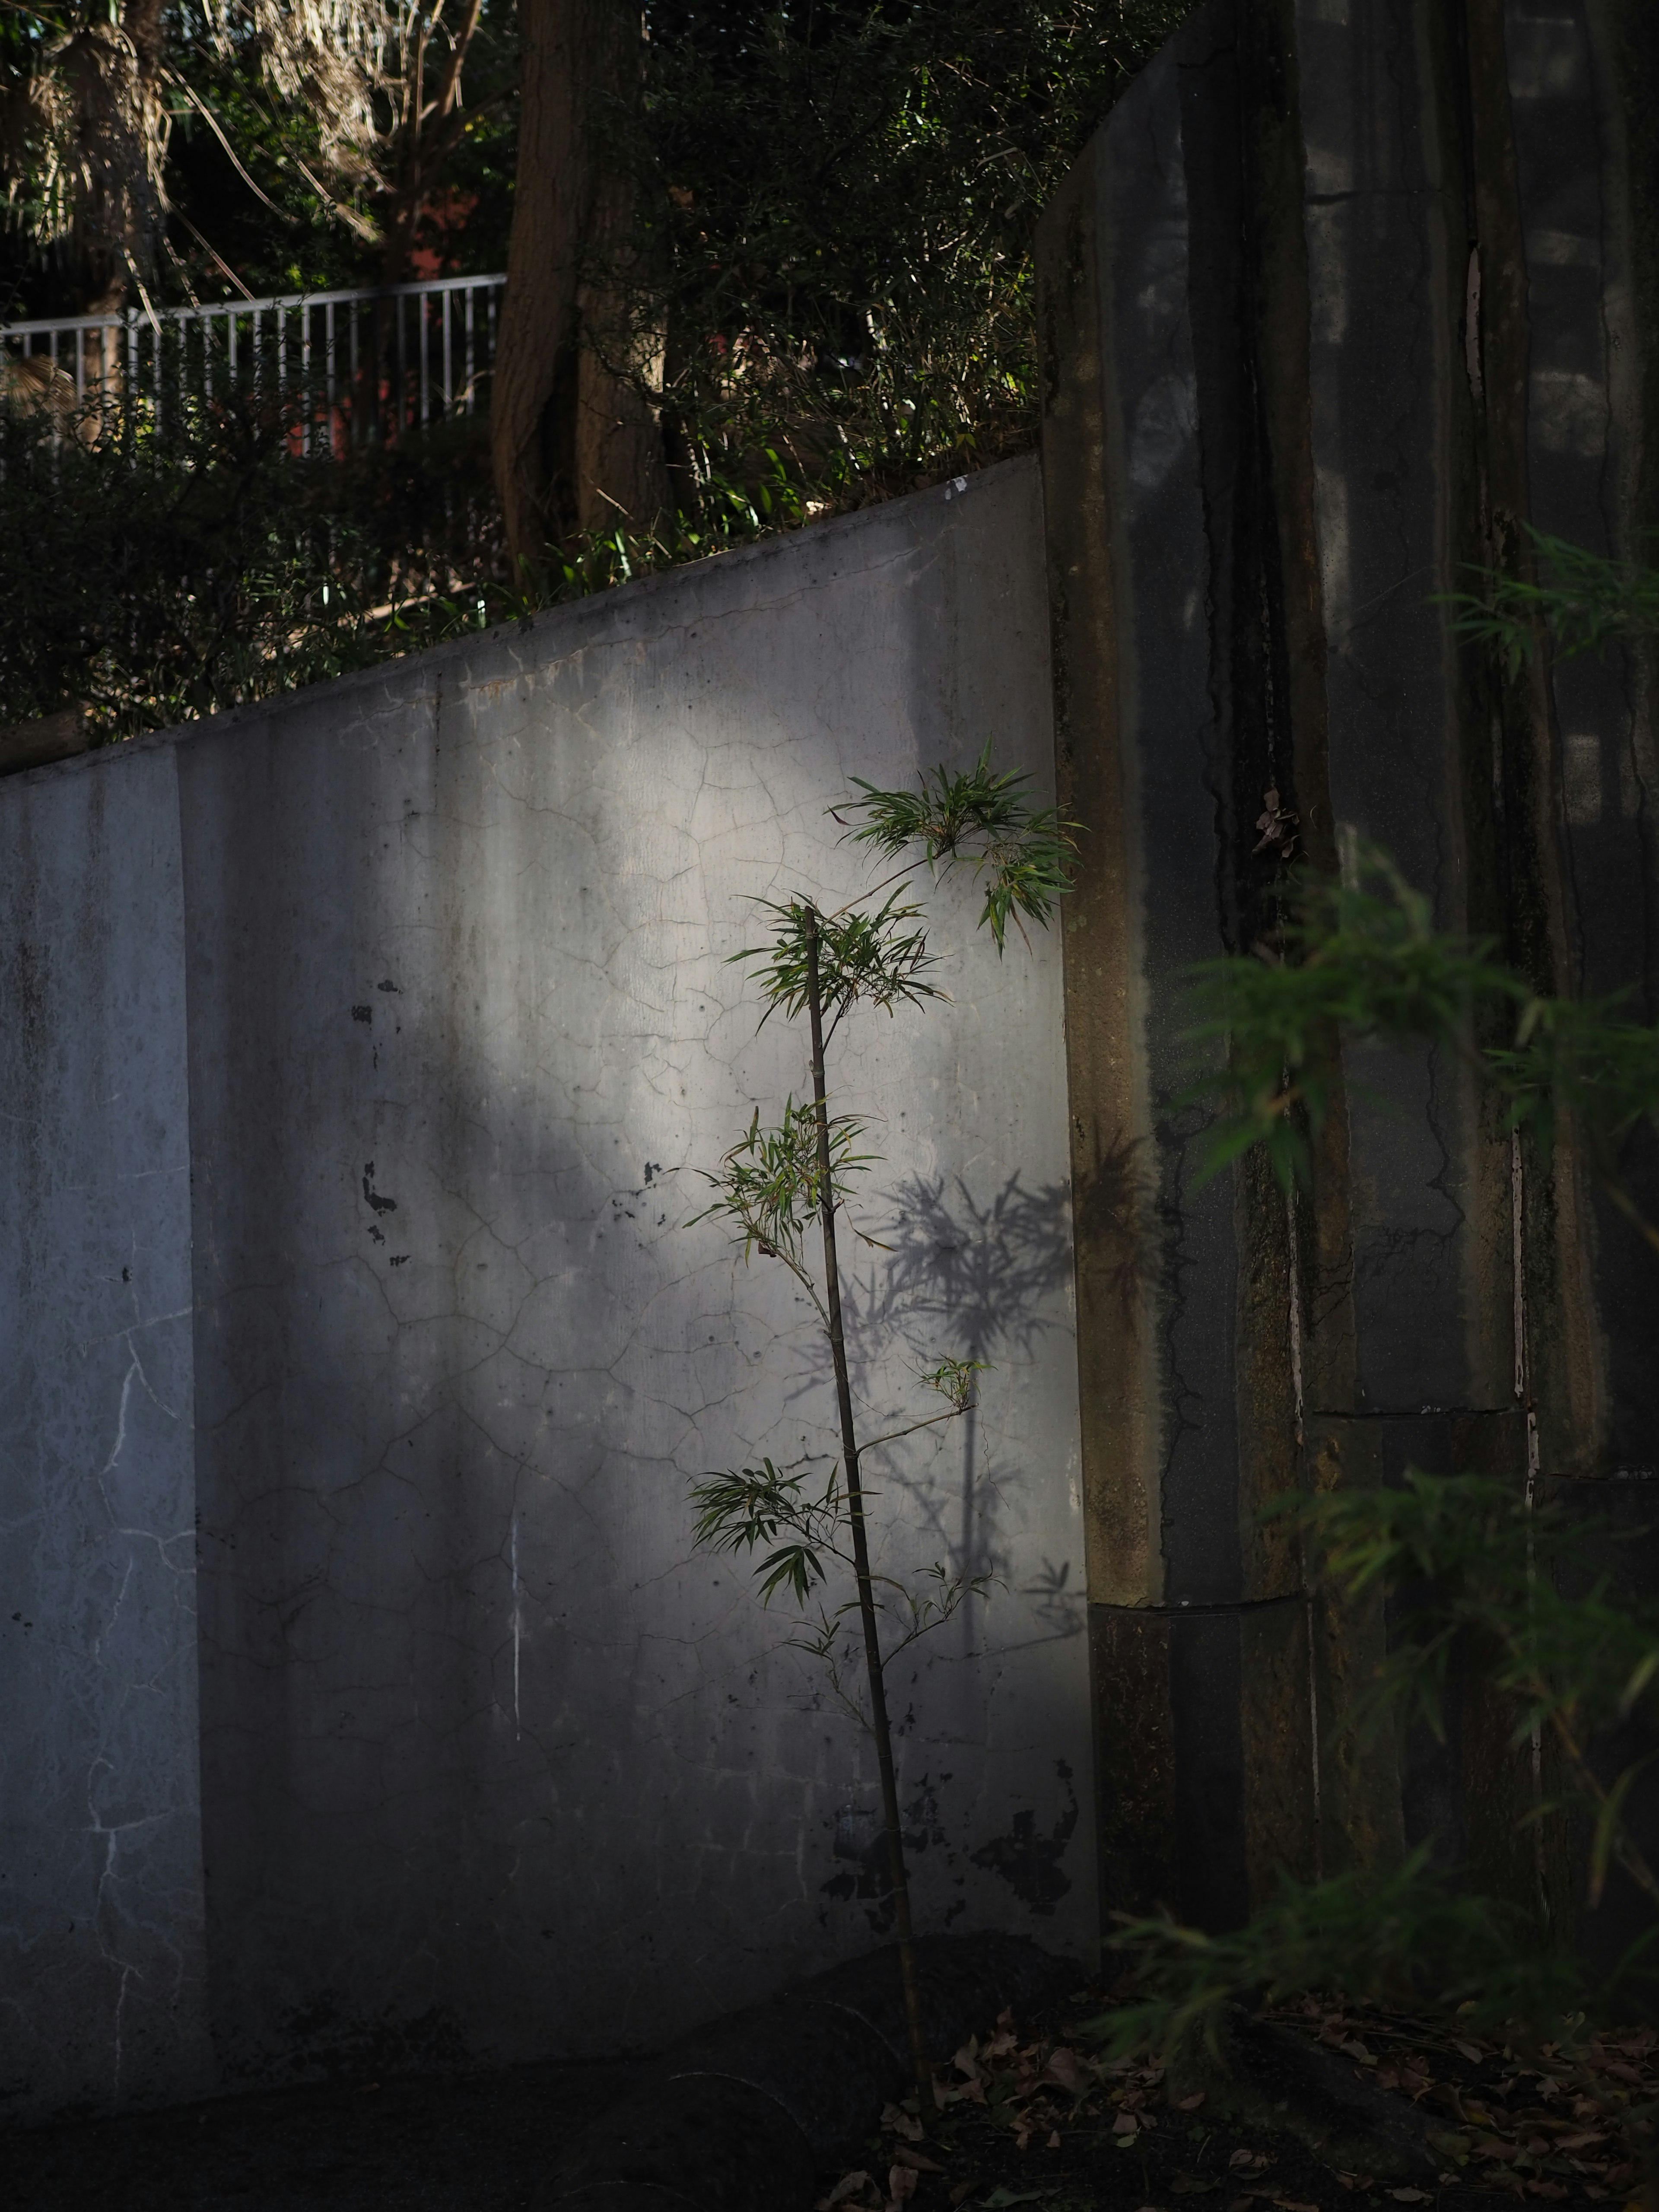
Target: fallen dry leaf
{"type": "Point", "coordinates": [1064, 2066]}
{"type": "Point", "coordinates": [901, 2183]}
{"type": "Point", "coordinates": [849, 2186]}
{"type": "Point", "coordinates": [901, 2122]}
{"type": "Point", "coordinates": [1190, 2104]}
{"type": "Point", "coordinates": [915, 2160]}
{"type": "Point", "coordinates": [1490, 2147]}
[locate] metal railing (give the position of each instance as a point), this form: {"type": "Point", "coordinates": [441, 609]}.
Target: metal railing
{"type": "Point", "coordinates": [354, 367]}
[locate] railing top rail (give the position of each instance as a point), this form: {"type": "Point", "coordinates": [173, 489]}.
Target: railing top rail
{"type": "Point", "coordinates": [128, 316]}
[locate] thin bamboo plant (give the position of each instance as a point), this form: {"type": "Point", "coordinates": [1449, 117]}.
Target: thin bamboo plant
{"type": "Point", "coordinates": [776, 1184]}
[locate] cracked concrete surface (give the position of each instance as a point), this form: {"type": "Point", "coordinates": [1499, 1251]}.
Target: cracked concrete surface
{"type": "Point", "coordinates": [1584, 443]}
{"type": "Point", "coordinates": [1259, 357]}
{"type": "Point", "coordinates": [1384, 234]}
{"type": "Point", "coordinates": [102, 1924]}
{"type": "Point", "coordinates": [491, 1764]}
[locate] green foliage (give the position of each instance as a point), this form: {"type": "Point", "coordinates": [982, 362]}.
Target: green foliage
{"type": "Point", "coordinates": [740, 1511]}
{"type": "Point", "coordinates": [840, 201]}
{"type": "Point", "coordinates": [1579, 1056]}
{"type": "Point", "coordinates": [1479, 1577]}
{"type": "Point", "coordinates": [1582, 600]}
{"type": "Point", "coordinates": [770, 1186]}
{"type": "Point", "coordinates": [1361, 960]}
{"type": "Point", "coordinates": [979, 818]}
{"type": "Point", "coordinates": [1489, 1564]}
{"type": "Point", "coordinates": [954, 1380]}
{"type": "Point", "coordinates": [1358, 958]}
{"type": "Point", "coordinates": [1403, 1938]}
{"type": "Point", "coordinates": [1475, 1570]}
{"type": "Point", "coordinates": [838, 208]}
{"type": "Point", "coordinates": [728, 514]}
{"type": "Point", "coordinates": [870, 954]}
{"type": "Point", "coordinates": [158, 576]}
{"type": "Point", "coordinates": [269, 148]}
{"type": "Point", "coordinates": [778, 1182]}
{"type": "Point", "coordinates": [930, 1601]}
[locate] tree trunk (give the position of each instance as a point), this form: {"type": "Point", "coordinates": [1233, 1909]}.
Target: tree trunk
{"type": "Point", "coordinates": [116, 87]}
{"type": "Point", "coordinates": [576, 443]}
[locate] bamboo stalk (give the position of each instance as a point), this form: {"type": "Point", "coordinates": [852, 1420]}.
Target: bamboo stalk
{"type": "Point", "coordinates": [879, 1727]}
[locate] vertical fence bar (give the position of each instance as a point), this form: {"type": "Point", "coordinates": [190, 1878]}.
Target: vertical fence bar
{"type": "Point", "coordinates": [305, 380]}
{"type": "Point", "coordinates": [403, 366]}
{"type": "Point", "coordinates": [328, 358]}
{"type": "Point", "coordinates": [422, 326]}
{"type": "Point", "coordinates": [446, 298]}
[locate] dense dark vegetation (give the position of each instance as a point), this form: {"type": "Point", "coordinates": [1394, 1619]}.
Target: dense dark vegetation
{"type": "Point", "coordinates": [823, 294]}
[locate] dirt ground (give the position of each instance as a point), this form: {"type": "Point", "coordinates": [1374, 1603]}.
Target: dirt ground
{"type": "Point", "coordinates": [1229, 2169]}
{"type": "Point", "coordinates": [1031, 2119]}
{"type": "Point", "coordinates": [1033, 2116]}
{"type": "Point", "coordinates": [432, 2143]}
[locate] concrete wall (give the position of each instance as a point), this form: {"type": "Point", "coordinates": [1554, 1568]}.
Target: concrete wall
{"type": "Point", "coordinates": [490, 1763]}
{"type": "Point", "coordinates": [102, 1969]}
{"type": "Point", "coordinates": [1339, 296]}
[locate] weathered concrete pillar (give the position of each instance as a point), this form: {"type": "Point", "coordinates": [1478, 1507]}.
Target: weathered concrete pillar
{"type": "Point", "coordinates": [1337, 282]}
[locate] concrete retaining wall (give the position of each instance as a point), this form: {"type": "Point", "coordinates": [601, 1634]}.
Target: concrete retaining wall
{"type": "Point", "coordinates": [403, 1311]}
{"type": "Point", "coordinates": [101, 1926]}
{"type": "Point", "coordinates": [1338, 298]}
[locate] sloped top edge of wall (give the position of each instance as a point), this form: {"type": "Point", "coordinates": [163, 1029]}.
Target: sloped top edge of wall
{"type": "Point", "coordinates": [600, 619]}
